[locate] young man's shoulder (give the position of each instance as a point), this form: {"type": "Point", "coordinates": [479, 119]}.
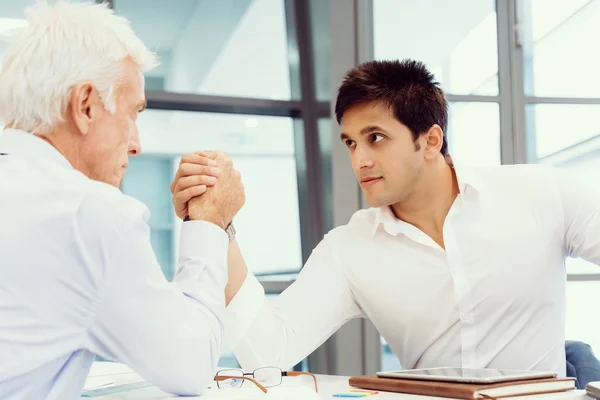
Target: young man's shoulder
{"type": "Point", "coordinates": [530, 176]}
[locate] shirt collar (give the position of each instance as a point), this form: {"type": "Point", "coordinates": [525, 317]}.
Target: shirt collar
{"type": "Point", "coordinates": [18, 142]}
{"type": "Point", "coordinates": [469, 185]}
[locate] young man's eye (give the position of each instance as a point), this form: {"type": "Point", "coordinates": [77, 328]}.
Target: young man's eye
{"type": "Point", "coordinates": [350, 143]}
{"type": "Point", "coordinates": [376, 138]}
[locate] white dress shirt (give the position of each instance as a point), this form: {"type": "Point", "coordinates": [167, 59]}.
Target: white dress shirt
{"type": "Point", "coordinates": [78, 278]}
{"type": "Point", "coordinates": [494, 298]}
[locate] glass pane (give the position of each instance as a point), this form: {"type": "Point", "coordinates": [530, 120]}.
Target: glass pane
{"type": "Point", "coordinates": [567, 136]}
{"type": "Point", "coordinates": [563, 36]}
{"type": "Point", "coordinates": [147, 179]}
{"type": "Point", "coordinates": [228, 359]}
{"type": "Point", "coordinates": [580, 324]}
{"type": "Point", "coordinates": [559, 126]}
{"type": "Point", "coordinates": [162, 244]}
{"type": "Point", "coordinates": [262, 149]}
{"type": "Point", "coordinates": [474, 133]}
{"type": "Point", "coordinates": [217, 47]}
{"type": "Point", "coordinates": [321, 41]}
{"type": "Point", "coordinates": [389, 361]}
{"type": "Point", "coordinates": [457, 40]}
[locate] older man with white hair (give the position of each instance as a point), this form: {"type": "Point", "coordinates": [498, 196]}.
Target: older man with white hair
{"type": "Point", "coordinates": [78, 277]}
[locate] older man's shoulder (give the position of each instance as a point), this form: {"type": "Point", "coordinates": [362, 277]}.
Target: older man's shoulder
{"type": "Point", "coordinates": [104, 202]}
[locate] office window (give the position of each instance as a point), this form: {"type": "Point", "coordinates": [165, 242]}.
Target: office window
{"type": "Point", "coordinates": [557, 127]}
{"type": "Point", "coordinates": [474, 133]}
{"type": "Point", "coordinates": [219, 47]}
{"type": "Point", "coordinates": [563, 42]}
{"type": "Point", "coordinates": [262, 149]}
{"type": "Point", "coordinates": [457, 40]}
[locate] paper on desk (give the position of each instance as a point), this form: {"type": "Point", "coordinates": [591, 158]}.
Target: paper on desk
{"type": "Point", "coordinates": [97, 382]}
{"type": "Point", "coordinates": [275, 393]}
{"type": "Point", "coordinates": [100, 368]}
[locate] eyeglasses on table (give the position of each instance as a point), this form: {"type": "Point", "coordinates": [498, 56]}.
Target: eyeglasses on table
{"type": "Point", "coordinates": [263, 378]}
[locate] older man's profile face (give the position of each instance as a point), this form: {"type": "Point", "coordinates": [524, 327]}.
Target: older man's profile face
{"type": "Point", "coordinates": [114, 137]}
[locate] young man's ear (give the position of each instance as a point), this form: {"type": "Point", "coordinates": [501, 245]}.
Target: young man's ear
{"type": "Point", "coordinates": [84, 100]}
{"type": "Point", "coordinates": [434, 140]}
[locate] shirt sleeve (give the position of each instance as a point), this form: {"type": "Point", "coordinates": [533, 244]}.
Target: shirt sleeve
{"type": "Point", "coordinates": [581, 212]}
{"type": "Point", "coordinates": [170, 333]}
{"type": "Point", "coordinates": [285, 330]}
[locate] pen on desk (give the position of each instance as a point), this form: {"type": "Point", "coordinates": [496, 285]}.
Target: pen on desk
{"type": "Point", "coordinates": [349, 394]}
{"type": "Point", "coordinates": [364, 391]}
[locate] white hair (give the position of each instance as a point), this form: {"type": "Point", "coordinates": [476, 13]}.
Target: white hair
{"type": "Point", "coordinates": [62, 46]}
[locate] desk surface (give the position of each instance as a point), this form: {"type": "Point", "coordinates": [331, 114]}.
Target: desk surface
{"type": "Point", "coordinates": [290, 390]}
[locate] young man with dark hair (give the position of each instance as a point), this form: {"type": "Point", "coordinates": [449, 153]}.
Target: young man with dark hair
{"type": "Point", "coordinates": [454, 266]}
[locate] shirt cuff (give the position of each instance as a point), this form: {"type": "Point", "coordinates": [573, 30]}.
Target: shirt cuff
{"type": "Point", "coordinates": [201, 239]}
{"type": "Point", "coordinates": [243, 310]}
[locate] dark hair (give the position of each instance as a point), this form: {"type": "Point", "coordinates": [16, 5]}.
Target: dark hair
{"type": "Point", "coordinates": [406, 87]}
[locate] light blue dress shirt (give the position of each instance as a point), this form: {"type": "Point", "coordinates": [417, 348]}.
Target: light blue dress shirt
{"type": "Point", "coordinates": [78, 278]}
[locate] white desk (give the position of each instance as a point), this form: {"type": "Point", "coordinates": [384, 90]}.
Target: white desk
{"type": "Point", "coordinates": [328, 385]}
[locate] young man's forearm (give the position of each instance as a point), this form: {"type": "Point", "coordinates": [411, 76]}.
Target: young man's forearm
{"type": "Point", "coordinates": [237, 271]}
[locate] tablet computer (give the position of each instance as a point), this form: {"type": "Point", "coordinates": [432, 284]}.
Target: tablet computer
{"type": "Point", "coordinates": [466, 375]}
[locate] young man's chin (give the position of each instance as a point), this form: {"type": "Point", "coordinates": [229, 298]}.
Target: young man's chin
{"type": "Point", "coordinates": [373, 201]}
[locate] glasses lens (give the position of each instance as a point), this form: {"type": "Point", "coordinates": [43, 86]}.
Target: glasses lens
{"type": "Point", "coordinates": [231, 382]}
{"type": "Point", "coordinates": [268, 376]}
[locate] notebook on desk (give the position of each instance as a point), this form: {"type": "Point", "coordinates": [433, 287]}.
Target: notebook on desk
{"type": "Point", "coordinates": [467, 391]}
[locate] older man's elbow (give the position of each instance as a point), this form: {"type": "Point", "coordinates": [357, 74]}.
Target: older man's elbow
{"type": "Point", "coordinates": [196, 370]}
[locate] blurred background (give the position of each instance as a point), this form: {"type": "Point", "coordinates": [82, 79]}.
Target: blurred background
{"type": "Point", "coordinates": [257, 78]}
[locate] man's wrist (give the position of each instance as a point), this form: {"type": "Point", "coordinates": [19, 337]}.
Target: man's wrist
{"type": "Point", "coordinates": [207, 218]}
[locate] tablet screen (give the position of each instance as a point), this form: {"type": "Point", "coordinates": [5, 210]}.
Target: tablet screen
{"type": "Point", "coordinates": [467, 374]}
{"type": "Point", "coordinates": [464, 372]}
